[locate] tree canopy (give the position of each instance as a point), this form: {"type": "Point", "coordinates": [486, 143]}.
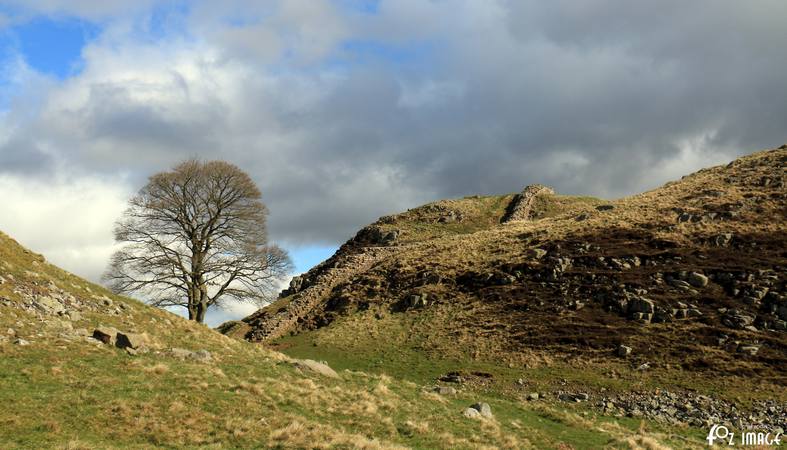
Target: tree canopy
{"type": "Point", "coordinates": [195, 237]}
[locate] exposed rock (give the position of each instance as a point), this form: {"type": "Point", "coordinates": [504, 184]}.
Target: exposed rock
{"type": "Point", "coordinates": [697, 410]}
{"type": "Point", "coordinates": [202, 356]}
{"type": "Point", "coordinates": [452, 378]}
{"type": "Point", "coordinates": [309, 365]}
{"type": "Point", "coordinates": [107, 335]}
{"type": "Point", "coordinates": [199, 355]}
{"type": "Point", "coordinates": [49, 305]}
{"type": "Point", "coordinates": [571, 397]}
{"type": "Point", "coordinates": [180, 353]}
{"type": "Point", "coordinates": [483, 409]}
{"type": "Point", "coordinates": [749, 349]}
{"type": "Point", "coordinates": [536, 253]}
{"type": "Point", "coordinates": [697, 279]}
{"type": "Point", "coordinates": [417, 301]}
{"type": "Point", "coordinates": [445, 390]}
{"type": "Point", "coordinates": [132, 340]}
{"type": "Point", "coordinates": [471, 413]}
{"type": "Point", "coordinates": [623, 351]}
{"type": "Point", "coordinates": [722, 240]}
{"type": "Point", "coordinates": [641, 305]}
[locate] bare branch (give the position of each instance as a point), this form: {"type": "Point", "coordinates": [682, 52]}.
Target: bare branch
{"type": "Point", "coordinates": [194, 236]}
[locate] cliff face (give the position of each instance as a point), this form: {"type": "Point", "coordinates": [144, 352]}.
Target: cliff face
{"type": "Point", "coordinates": [694, 267]}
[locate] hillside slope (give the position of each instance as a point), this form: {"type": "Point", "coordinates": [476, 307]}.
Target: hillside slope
{"type": "Point", "coordinates": [681, 287]}
{"type": "Point", "coordinates": [163, 382]}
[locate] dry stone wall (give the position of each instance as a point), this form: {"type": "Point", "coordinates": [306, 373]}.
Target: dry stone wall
{"type": "Point", "coordinates": [522, 204]}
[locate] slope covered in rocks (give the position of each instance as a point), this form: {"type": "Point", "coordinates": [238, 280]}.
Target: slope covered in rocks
{"type": "Point", "coordinates": [81, 368]}
{"type": "Point", "coordinates": [680, 287]}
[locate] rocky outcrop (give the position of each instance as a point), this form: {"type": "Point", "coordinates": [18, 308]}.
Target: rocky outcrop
{"type": "Point", "coordinates": [522, 204]}
{"type": "Point", "coordinates": [275, 321]}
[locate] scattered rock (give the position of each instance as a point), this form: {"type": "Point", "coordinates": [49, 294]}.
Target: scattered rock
{"type": "Point", "coordinates": [483, 409]}
{"type": "Point", "coordinates": [452, 378]}
{"type": "Point", "coordinates": [471, 413]}
{"type": "Point", "coordinates": [749, 349]}
{"type": "Point", "coordinates": [570, 397]}
{"type": "Point", "coordinates": [202, 356]}
{"type": "Point", "coordinates": [536, 253]}
{"type": "Point", "coordinates": [641, 305]}
{"type": "Point", "coordinates": [697, 279]}
{"type": "Point", "coordinates": [132, 340]}
{"type": "Point", "coordinates": [107, 335]}
{"type": "Point", "coordinates": [180, 353]}
{"type": "Point", "coordinates": [309, 365]}
{"type": "Point", "coordinates": [445, 390]}
{"type": "Point", "coordinates": [199, 355]}
{"type": "Point", "coordinates": [623, 351]}
{"type": "Point", "coordinates": [49, 305]}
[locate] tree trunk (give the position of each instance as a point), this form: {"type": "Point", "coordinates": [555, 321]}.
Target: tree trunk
{"type": "Point", "coordinates": [202, 308]}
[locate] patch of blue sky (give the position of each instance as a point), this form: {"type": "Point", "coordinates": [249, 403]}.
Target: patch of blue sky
{"type": "Point", "coordinates": [412, 54]}
{"type": "Point", "coordinates": [52, 46]}
{"type": "Point", "coordinates": [304, 258]}
{"type": "Point", "coordinates": [362, 6]}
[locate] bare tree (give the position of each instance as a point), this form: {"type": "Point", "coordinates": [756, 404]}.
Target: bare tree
{"type": "Point", "coordinates": [194, 237]}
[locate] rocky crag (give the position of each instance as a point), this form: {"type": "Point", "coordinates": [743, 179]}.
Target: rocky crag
{"type": "Point", "coordinates": [692, 272]}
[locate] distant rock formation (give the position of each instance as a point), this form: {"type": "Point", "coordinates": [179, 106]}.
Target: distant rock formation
{"type": "Point", "coordinates": [522, 204]}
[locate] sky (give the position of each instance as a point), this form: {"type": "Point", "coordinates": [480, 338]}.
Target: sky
{"type": "Point", "coordinates": [346, 110]}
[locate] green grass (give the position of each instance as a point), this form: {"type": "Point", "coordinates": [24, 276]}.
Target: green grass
{"type": "Point", "coordinates": [64, 392]}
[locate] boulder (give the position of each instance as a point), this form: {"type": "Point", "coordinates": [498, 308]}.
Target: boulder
{"type": "Point", "coordinates": [697, 279]}
{"type": "Point", "coordinates": [605, 207]}
{"type": "Point", "coordinates": [623, 350]}
{"type": "Point", "coordinates": [578, 397]}
{"type": "Point", "coordinates": [201, 355]}
{"type": "Point", "coordinates": [641, 305]}
{"type": "Point", "coordinates": [107, 335]}
{"type": "Point", "coordinates": [49, 305]}
{"type": "Point", "coordinates": [471, 413]}
{"type": "Point", "coordinates": [749, 349]}
{"type": "Point", "coordinates": [483, 409]}
{"type": "Point", "coordinates": [445, 390]}
{"type": "Point", "coordinates": [132, 340]}
{"type": "Point", "coordinates": [309, 365]}
{"type": "Point", "coordinates": [533, 396]}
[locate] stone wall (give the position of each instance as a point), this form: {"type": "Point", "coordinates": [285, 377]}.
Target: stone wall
{"type": "Point", "coordinates": [522, 204]}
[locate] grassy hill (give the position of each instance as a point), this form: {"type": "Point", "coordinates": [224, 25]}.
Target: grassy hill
{"type": "Point", "coordinates": [188, 386]}
{"type": "Point", "coordinates": [427, 312]}
{"type": "Point", "coordinates": [678, 290]}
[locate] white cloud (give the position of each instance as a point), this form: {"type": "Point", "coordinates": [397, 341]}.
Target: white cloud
{"type": "Point", "coordinates": [69, 222]}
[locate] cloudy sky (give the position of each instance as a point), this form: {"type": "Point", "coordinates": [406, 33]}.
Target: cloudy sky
{"type": "Point", "coordinates": [345, 110]}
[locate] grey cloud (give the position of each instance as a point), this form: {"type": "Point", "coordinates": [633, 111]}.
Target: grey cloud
{"type": "Point", "coordinates": [601, 97]}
